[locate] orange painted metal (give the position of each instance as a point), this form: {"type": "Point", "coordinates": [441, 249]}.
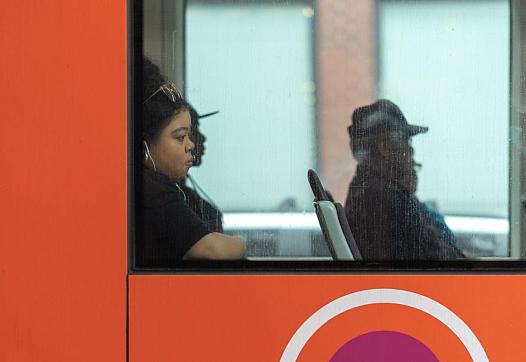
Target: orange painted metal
{"type": "Point", "coordinates": [63, 231]}
{"type": "Point", "coordinates": [252, 318]}
{"type": "Point", "coordinates": [63, 181]}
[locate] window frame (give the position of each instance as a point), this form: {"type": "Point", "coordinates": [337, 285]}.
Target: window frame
{"type": "Point", "coordinates": [173, 39]}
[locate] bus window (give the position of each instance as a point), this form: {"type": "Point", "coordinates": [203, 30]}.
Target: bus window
{"type": "Point", "coordinates": [402, 108]}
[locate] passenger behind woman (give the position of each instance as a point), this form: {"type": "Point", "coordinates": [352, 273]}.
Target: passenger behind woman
{"type": "Point", "coordinates": [196, 197]}
{"type": "Point", "coordinates": [170, 230]}
{"type": "Point", "coordinates": [386, 218]}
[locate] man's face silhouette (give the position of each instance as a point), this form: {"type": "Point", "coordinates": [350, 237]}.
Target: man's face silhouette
{"type": "Point", "coordinates": [198, 139]}
{"type": "Point", "coordinates": [398, 154]}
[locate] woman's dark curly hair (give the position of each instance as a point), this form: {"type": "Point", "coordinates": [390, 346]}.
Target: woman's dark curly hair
{"type": "Point", "coordinates": [158, 110]}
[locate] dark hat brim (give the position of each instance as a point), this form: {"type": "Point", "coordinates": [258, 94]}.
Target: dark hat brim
{"type": "Point", "coordinates": [201, 116]}
{"type": "Point", "coordinates": [413, 130]}
{"type": "Point", "coordinates": [410, 130]}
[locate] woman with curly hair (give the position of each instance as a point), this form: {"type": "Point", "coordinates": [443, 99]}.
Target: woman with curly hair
{"type": "Point", "coordinates": [171, 231]}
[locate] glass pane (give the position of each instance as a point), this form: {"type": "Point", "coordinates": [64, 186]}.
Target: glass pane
{"type": "Point", "coordinates": [262, 84]}
{"type": "Point", "coordinates": [401, 107]}
{"type": "Point", "coordinates": [457, 84]}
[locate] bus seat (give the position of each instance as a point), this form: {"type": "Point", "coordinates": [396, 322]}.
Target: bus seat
{"type": "Point", "coordinates": [347, 231]}
{"type": "Point", "coordinates": [333, 223]}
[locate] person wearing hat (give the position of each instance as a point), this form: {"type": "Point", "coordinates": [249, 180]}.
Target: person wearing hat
{"type": "Point", "coordinates": [386, 218]}
{"type": "Point", "coordinates": [197, 198]}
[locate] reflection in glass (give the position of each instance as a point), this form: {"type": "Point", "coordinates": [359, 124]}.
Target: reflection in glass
{"type": "Point", "coordinates": [287, 76]}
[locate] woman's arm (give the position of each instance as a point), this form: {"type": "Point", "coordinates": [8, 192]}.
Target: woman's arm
{"type": "Point", "coordinates": [217, 246]}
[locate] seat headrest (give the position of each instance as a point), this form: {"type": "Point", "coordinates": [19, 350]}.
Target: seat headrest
{"type": "Point", "coordinates": [316, 186]}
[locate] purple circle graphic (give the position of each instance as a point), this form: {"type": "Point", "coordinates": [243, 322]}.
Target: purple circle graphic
{"type": "Point", "coordinates": [384, 346]}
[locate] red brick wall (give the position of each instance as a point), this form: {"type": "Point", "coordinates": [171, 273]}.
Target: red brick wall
{"type": "Point", "coordinates": [346, 44]}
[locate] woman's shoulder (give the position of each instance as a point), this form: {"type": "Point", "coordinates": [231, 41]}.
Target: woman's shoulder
{"type": "Point", "coordinates": [158, 190]}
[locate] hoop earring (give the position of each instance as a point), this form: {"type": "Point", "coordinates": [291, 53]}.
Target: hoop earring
{"type": "Point", "coordinates": [146, 158]}
{"type": "Point", "coordinates": [147, 155]}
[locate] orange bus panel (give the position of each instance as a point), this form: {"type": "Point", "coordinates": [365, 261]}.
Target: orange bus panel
{"type": "Point", "coordinates": [254, 317]}
{"type": "Point", "coordinates": [63, 184]}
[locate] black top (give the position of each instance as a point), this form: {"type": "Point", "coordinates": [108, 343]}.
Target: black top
{"type": "Point", "coordinates": [169, 226]}
{"type": "Point", "coordinates": [211, 216]}
{"type": "Point", "coordinates": [390, 223]}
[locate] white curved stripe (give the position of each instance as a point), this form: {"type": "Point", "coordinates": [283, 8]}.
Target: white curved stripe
{"type": "Point", "coordinates": [391, 296]}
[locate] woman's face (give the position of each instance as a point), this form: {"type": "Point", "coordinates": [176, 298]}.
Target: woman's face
{"type": "Point", "coordinates": [172, 149]}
